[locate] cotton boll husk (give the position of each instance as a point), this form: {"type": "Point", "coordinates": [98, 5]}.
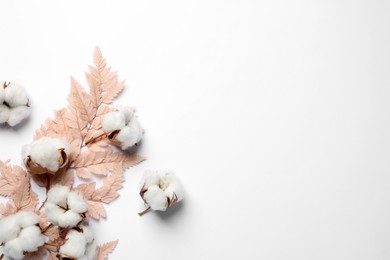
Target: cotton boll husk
{"type": "Point", "coordinates": [45, 152]}
{"type": "Point", "coordinates": [17, 114]}
{"type": "Point", "coordinates": [59, 195]}
{"type": "Point", "coordinates": [76, 202]}
{"type": "Point", "coordinates": [150, 178]}
{"type": "Point", "coordinates": [113, 121]}
{"type": "Point", "coordinates": [15, 95]}
{"type": "Point", "coordinates": [130, 135]}
{"type": "Point", "coordinates": [31, 238]}
{"type": "Point", "coordinates": [175, 190]}
{"type": "Point", "coordinates": [27, 218]}
{"type": "Point", "coordinates": [53, 213]}
{"type": "Point", "coordinates": [13, 249]}
{"type": "Point", "coordinates": [69, 219]}
{"type": "Point", "coordinates": [4, 113]}
{"type": "Point", "coordinates": [155, 198]}
{"type": "Point", "coordinates": [59, 143]}
{"type": "Point", "coordinates": [9, 228]}
{"type": "Point", "coordinates": [75, 245]}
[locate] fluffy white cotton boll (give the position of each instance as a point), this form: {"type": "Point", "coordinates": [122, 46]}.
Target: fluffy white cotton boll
{"type": "Point", "coordinates": [58, 195]}
{"type": "Point", "coordinates": [113, 121]}
{"type": "Point", "coordinates": [26, 218]}
{"type": "Point", "coordinates": [150, 178]}
{"type": "Point", "coordinates": [53, 213]}
{"type": "Point", "coordinates": [155, 198]}
{"type": "Point", "coordinates": [1, 92]}
{"type": "Point", "coordinates": [75, 244]}
{"type": "Point", "coordinates": [18, 114]}
{"type": "Point", "coordinates": [131, 134]}
{"type": "Point", "coordinates": [69, 219]}
{"type": "Point", "coordinates": [15, 95]}
{"type": "Point", "coordinates": [89, 252]}
{"type": "Point", "coordinates": [160, 190]}
{"type": "Point", "coordinates": [13, 249]}
{"type": "Point", "coordinates": [76, 202]}
{"type": "Point", "coordinates": [4, 113]}
{"type": "Point", "coordinates": [175, 191]}
{"type": "Point", "coordinates": [88, 234]}
{"type": "Point", "coordinates": [9, 228]}
{"type": "Point", "coordinates": [45, 153]}
{"type": "Point", "coordinates": [31, 238]}
{"type": "Point", "coordinates": [128, 113]}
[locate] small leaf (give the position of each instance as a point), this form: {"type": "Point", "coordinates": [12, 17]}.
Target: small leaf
{"type": "Point", "coordinates": [101, 163]}
{"type": "Point", "coordinates": [104, 250]}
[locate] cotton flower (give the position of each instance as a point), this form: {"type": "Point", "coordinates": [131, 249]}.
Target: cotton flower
{"type": "Point", "coordinates": [20, 233]}
{"type": "Point", "coordinates": [122, 128]}
{"type": "Point", "coordinates": [79, 245]}
{"type": "Point", "coordinates": [64, 207]}
{"type": "Point", "coordinates": [46, 155]}
{"type": "Point", "coordinates": [160, 190]}
{"type": "Point", "coordinates": [14, 105]}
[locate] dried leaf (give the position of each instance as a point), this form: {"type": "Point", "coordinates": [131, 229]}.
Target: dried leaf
{"type": "Point", "coordinates": [7, 209]}
{"type": "Point", "coordinates": [82, 105]}
{"type": "Point", "coordinates": [103, 82]}
{"type": "Point", "coordinates": [96, 210]}
{"type": "Point", "coordinates": [8, 180]}
{"type": "Point", "coordinates": [105, 194]}
{"type": "Point", "coordinates": [15, 184]}
{"type": "Point", "coordinates": [24, 198]}
{"type": "Point", "coordinates": [104, 250]}
{"type": "Point", "coordinates": [101, 163]}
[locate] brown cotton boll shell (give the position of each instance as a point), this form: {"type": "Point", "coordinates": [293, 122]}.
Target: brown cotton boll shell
{"type": "Point", "coordinates": [65, 257]}
{"type": "Point", "coordinates": [35, 168]}
{"type": "Point", "coordinates": [112, 137]}
{"type": "Point", "coordinates": [172, 201]}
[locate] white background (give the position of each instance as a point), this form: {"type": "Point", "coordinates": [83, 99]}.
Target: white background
{"type": "Point", "coordinates": [275, 114]}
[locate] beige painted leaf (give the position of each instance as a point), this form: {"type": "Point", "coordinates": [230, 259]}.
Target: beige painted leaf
{"type": "Point", "coordinates": [82, 104]}
{"type": "Point", "coordinates": [7, 209]}
{"type": "Point", "coordinates": [15, 184]}
{"type": "Point", "coordinates": [105, 194]}
{"type": "Point", "coordinates": [109, 191]}
{"type": "Point", "coordinates": [24, 198]}
{"type": "Point", "coordinates": [8, 180]}
{"type": "Point", "coordinates": [104, 162]}
{"type": "Point", "coordinates": [96, 210]}
{"type": "Point", "coordinates": [103, 82]}
{"type": "Point", "coordinates": [104, 250]}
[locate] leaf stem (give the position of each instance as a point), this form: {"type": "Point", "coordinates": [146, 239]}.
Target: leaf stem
{"type": "Point", "coordinates": [49, 226]}
{"type": "Point", "coordinates": [144, 212]}
{"type": "Point", "coordinates": [93, 139]}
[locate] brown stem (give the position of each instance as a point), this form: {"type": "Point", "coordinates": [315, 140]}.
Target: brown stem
{"type": "Point", "coordinates": [49, 226]}
{"type": "Point", "coordinates": [144, 212]}
{"type": "Point", "coordinates": [94, 139]}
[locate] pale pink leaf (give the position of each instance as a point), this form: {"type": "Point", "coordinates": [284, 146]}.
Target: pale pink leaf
{"type": "Point", "coordinates": [104, 250]}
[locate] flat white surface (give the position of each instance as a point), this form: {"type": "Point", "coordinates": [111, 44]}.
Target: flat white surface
{"type": "Point", "coordinates": [275, 114]}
